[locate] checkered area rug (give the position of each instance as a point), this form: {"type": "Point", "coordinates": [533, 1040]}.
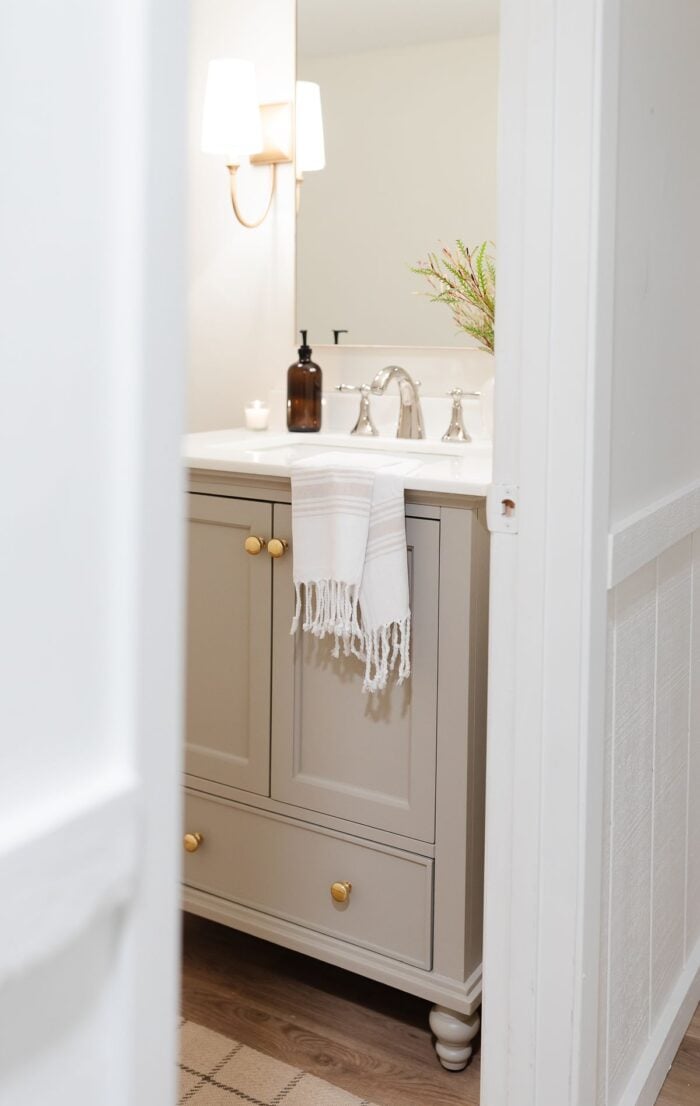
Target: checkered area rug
{"type": "Point", "coordinates": [216, 1071]}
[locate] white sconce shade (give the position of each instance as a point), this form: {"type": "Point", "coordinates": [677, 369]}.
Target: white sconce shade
{"type": "Point", "coordinates": [310, 148]}
{"type": "Point", "coordinates": [235, 125]}
{"type": "Point", "coordinates": [231, 125]}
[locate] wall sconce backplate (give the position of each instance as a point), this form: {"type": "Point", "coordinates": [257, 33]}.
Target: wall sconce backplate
{"type": "Point", "coordinates": [278, 135]}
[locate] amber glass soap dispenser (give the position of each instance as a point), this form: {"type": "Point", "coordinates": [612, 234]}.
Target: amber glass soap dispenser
{"type": "Point", "coordinates": [304, 381]}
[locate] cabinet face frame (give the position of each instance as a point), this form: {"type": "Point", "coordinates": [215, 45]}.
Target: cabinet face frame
{"type": "Point", "coordinates": [412, 814]}
{"type": "Point", "coordinates": [247, 764]}
{"type": "Point", "coordinates": [461, 759]}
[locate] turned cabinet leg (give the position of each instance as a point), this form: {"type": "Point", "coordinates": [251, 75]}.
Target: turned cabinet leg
{"type": "Point", "coordinates": [454, 1033]}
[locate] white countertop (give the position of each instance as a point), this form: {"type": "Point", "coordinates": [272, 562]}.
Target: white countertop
{"type": "Point", "coordinates": [440, 467]}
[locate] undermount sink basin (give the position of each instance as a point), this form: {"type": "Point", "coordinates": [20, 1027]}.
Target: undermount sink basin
{"type": "Point", "coordinates": [463, 468]}
{"type": "Point", "coordinates": [310, 445]}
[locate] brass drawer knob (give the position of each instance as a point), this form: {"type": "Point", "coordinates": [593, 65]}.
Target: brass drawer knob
{"type": "Point", "coordinates": [277, 547]}
{"type": "Point", "coordinates": [341, 891]}
{"type": "Point", "coordinates": [192, 841]}
{"type": "Point", "coordinates": [254, 545]}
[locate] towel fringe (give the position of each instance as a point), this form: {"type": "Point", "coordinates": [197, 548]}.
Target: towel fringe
{"type": "Point", "coordinates": [332, 608]}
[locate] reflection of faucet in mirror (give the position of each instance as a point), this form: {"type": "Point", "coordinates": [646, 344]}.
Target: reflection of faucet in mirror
{"type": "Point", "coordinates": [410, 423]}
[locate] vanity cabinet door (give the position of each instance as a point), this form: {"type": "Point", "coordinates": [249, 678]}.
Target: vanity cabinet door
{"type": "Point", "coordinates": [369, 759]}
{"type": "Point", "coordinates": [228, 643]}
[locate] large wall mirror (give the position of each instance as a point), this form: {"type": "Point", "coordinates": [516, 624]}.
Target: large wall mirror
{"type": "Point", "coordinates": [409, 99]}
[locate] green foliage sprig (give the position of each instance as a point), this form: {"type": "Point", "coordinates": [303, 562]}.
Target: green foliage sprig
{"type": "Point", "coordinates": [465, 280]}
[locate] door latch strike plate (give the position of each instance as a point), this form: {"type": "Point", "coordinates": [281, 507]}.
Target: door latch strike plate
{"type": "Point", "coordinates": [502, 509]}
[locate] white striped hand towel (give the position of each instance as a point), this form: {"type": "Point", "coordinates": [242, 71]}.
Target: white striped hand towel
{"type": "Point", "coordinates": [350, 559]}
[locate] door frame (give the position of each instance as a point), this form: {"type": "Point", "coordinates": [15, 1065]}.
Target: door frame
{"type": "Point", "coordinates": [152, 290]}
{"type": "Point", "coordinates": [547, 662]}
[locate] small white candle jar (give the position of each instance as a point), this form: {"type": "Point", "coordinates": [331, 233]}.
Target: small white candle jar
{"type": "Point", "coordinates": [257, 414]}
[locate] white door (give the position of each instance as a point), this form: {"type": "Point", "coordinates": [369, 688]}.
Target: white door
{"type": "Point", "coordinates": [91, 369]}
{"type": "Point", "coordinates": [592, 922]}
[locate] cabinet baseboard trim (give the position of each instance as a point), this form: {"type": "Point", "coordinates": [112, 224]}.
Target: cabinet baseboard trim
{"type": "Point", "coordinates": [465, 997]}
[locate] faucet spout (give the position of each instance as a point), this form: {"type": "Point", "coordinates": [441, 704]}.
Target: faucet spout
{"type": "Point", "coordinates": [410, 424]}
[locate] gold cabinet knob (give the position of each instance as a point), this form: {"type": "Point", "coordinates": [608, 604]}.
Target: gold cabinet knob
{"type": "Point", "coordinates": [254, 545]}
{"type": "Point", "coordinates": [277, 547]}
{"type": "Point", "coordinates": [341, 891]}
{"type": "Point", "coordinates": [192, 841]}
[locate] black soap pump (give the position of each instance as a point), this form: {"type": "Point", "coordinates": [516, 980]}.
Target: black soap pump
{"type": "Point", "coordinates": [304, 391]}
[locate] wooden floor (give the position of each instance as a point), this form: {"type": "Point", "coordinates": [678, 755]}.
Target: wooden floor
{"type": "Point", "coordinates": [367, 1038]}
{"type": "Point", "coordinates": [682, 1086]}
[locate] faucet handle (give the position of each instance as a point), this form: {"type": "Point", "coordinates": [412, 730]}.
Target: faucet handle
{"type": "Point", "coordinates": [456, 431]}
{"type": "Point", "coordinates": [364, 425]}
{"type": "Point", "coordinates": [457, 393]}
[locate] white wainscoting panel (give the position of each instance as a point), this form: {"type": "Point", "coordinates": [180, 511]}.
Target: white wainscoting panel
{"type": "Point", "coordinates": [631, 824]}
{"type": "Point", "coordinates": [651, 868]}
{"type": "Point", "coordinates": [692, 919]}
{"type": "Point", "coordinates": [606, 868]}
{"type": "Point", "coordinates": [670, 772]}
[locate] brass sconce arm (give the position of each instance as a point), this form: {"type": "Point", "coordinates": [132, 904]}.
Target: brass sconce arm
{"type": "Point", "coordinates": [277, 150]}
{"type": "Point", "coordinates": [234, 197]}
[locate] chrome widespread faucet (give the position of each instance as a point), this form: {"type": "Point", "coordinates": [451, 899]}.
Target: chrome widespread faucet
{"type": "Point", "coordinates": [410, 424]}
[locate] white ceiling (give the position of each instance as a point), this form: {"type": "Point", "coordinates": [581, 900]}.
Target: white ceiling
{"type": "Point", "coordinates": [327, 27]}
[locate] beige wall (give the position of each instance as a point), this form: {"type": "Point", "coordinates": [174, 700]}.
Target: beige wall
{"type": "Point", "coordinates": [241, 281]}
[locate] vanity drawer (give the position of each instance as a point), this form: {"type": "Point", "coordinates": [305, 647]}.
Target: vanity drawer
{"type": "Point", "coordinates": [286, 868]}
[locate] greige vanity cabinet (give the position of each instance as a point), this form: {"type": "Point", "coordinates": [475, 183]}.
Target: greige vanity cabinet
{"type": "Point", "coordinates": [347, 826]}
